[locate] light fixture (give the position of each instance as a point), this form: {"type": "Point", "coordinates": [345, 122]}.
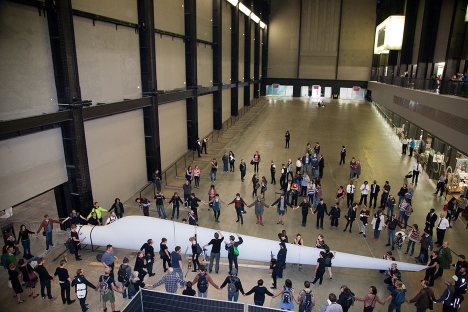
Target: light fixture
{"type": "Point", "coordinates": [244, 9]}
{"type": "Point", "coordinates": [466, 14]}
{"type": "Point", "coordinates": [233, 2]}
{"type": "Point", "coordinates": [389, 34]}
{"type": "Point", "coordinates": [254, 18]}
{"type": "Point", "coordinates": [262, 25]}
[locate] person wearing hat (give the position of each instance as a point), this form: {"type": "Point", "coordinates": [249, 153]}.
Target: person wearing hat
{"type": "Point", "coordinates": [281, 258]}
{"type": "Point", "coordinates": [234, 285]}
{"type": "Point", "coordinates": [447, 296]}
{"type": "Point", "coordinates": [259, 204]}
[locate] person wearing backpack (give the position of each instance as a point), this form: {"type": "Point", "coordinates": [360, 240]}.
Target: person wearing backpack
{"type": "Point", "coordinates": [370, 300]}
{"type": "Point", "coordinates": [124, 274]}
{"type": "Point", "coordinates": [259, 292]}
{"type": "Point", "coordinates": [346, 298]}
{"type": "Point", "coordinates": [81, 284]}
{"type": "Point", "coordinates": [287, 296]}
{"type": "Point", "coordinates": [202, 279]}
{"type": "Point", "coordinates": [306, 298]}
{"type": "Point", "coordinates": [234, 286]}
{"type": "Point", "coordinates": [106, 288]}
{"type": "Point", "coordinates": [233, 252]}
{"type": "Point", "coordinates": [134, 284]}
{"type": "Point", "coordinates": [397, 297]}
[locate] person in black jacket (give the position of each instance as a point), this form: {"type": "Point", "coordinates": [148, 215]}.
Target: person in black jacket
{"type": "Point", "coordinates": [81, 284]}
{"type": "Point", "coordinates": [335, 213]}
{"type": "Point", "coordinates": [351, 216]}
{"type": "Point", "coordinates": [233, 294]}
{"type": "Point", "coordinates": [118, 207]}
{"type": "Point", "coordinates": [44, 278]}
{"type": "Point", "coordinates": [281, 258]}
{"type": "Point", "coordinates": [259, 292]}
{"type": "Point", "coordinates": [23, 237]}
{"type": "Point", "coordinates": [140, 265]}
{"type": "Point", "coordinates": [344, 298]}
{"type": "Point", "coordinates": [239, 204]}
{"type": "Point", "coordinates": [230, 248]}
{"type": "Point", "coordinates": [175, 201]}
{"type": "Point", "coordinates": [321, 165]}
{"type": "Point", "coordinates": [321, 211]}
{"type": "Point", "coordinates": [305, 205]}
{"type": "Point", "coordinates": [374, 193]}
{"type": "Point", "coordinates": [149, 256]}
{"type": "Point", "coordinates": [431, 218]}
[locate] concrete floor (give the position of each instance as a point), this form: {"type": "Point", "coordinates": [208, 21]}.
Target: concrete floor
{"type": "Point", "coordinates": [366, 136]}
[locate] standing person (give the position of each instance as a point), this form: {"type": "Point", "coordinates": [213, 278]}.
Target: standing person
{"type": "Point", "coordinates": [160, 199]}
{"type": "Point", "coordinates": [164, 254]}
{"type": "Point", "coordinates": [64, 282]}
{"type": "Point", "coordinates": [391, 225]}
{"type": "Point", "coordinates": [201, 280]}
{"type": "Point", "coordinates": [390, 205]}
{"type": "Point", "coordinates": [397, 297]}
{"type": "Point", "coordinates": [263, 186]}
{"type": "Point", "coordinates": [157, 178]}
{"type": "Point", "coordinates": [460, 288]}
{"type": "Point", "coordinates": [335, 213]}
{"type": "Point", "coordinates": [321, 211]}
{"type": "Point", "coordinates": [333, 306]}
{"type": "Point", "coordinates": [44, 278]}
{"type": "Point", "coordinates": [259, 204]}
{"type": "Point", "coordinates": [215, 250]}
{"type": "Point", "coordinates": [118, 207]}
{"type": "Point", "coordinates": [299, 242]}
{"type": "Point", "coordinates": [426, 246]}
{"type": "Point", "coordinates": [273, 173]}
{"type": "Point", "coordinates": [374, 193]}
{"type": "Point", "coordinates": [378, 223]}
{"type": "Point", "coordinates": [14, 277]}
{"type": "Point", "coordinates": [232, 161]}
{"type": "Point", "coordinates": [108, 259]}
{"type": "Point", "coordinates": [170, 281]}
{"type": "Point", "coordinates": [256, 161]}
{"type": "Point", "coordinates": [350, 188]}
{"type": "Point", "coordinates": [363, 218]}
{"type": "Point", "coordinates": [411, 147]}
{"type": "Point", "coordinates": [306, 298]}
{"type": "Point", "coordinates": [284, 173]}
{"type": "Point", "coordinates": [204, 143]}
{"type": "Point", "coordinates": [242, 169]}
{"type": "Point", "coordinates": [343, 155]}
{"type": "Point", "coordinates": [358, 169]}
{"type": "Point", "coordinates": [365, 188]}
{"type": "Point", "coordinates": [431, 268]}
{"type": "Point", "coordinates": [281, 258]}
{"type": "Point", "coordinates": [98, 210]}
{"type": "Point", "coordinates": [23, 237]}
{"type": "Point", "coordinates": [149, 255]}
{"type": "Point", "coordinates": [445, 257]}
{"type": "Point", "coordinates": [112, 218]}
{"type": "Point", "coordinates": [315, 165]}
{"type": "Point", "coordinates": [81, 285]}
{"type": "Point", "coordinates": [239, 204]}
{"type": "Point", "coordinates": [144, 205]}
{"type": "Point", "coordinates": [351, 216]}
{"type": "Point", "coordinates": [447, 297]}
{"type": "Point", "coordinates": [431, 219]}
{"type": "Point", "coordinates": [134, 284]}
{"type": "Point", "coordinates": [352, 168]}
{"type": "Point", "coordinates": [29, 277]}
{"type": "Point", "coordinates": [417, 168]}
{"type": "Point", "coordinates": [413, 238]}
{"type": "Point", "coordinates": [124, 274]}
{"type": "Point", "coordinates": [189, 174]}
{"type": "Point", "coordinates": [385, 193]}
{"type": "Point", "coordinates": [48, 225]}
{"type": "Point", "coordinates": [216, 205]}
{"type": "Point", "coordinates": [76, 241]}
{"type": "Point", "coordinates": [211, 195]}
{"type": "Point", "coordinates": [328, 256]}
{"type": "Point", "coordinates": [303, 163]}
{"type": "Point", "coordinates": [193, 203]}
{"type": "Point", "coordinates": [234, 285]}
{"type": "Point", "coordinates": [287, 136]}
{"type": "Point", "coordinates": [74, 217]}
{"type": "Point", "coordinates": [94, 220]}
{"type": "Point", "coordinates": [196, 176]}
{"type": "Point", "coordinates": [282, 204]}
{"type": "Point", "coordinates": [289, 167]}
{"type": "Point", "coordinates": [213, 170]}
{"type": "Point", "coordinates": [198, 147]}
{"type": "Point", "coordinates": [305, 207]}
{"type": "Point", "coordinates": [140, 265]}
{"type": "Point", "coordinates": [259, 292]}
{"type": "Point", "coordinates": [176, 265]}
{"type": "Point", "coordinates": [461, 207]}
{"type": "Point", "coordinates": [441, 185]}
{"type": "Point", "coordinates": [319, 270]}
{"type": "Point", "coordinates": [287, 296]}
{"type": "Point", "coordinates": [311, 191]}
{"type": "Point", "coordinates": [370, 300]}
{"type": "Point", "coordinates": [233, 252]}
{"type": "Point", "coordinates": [442, 226]}
{"type": "Point", "coordinates": [187, 187]}
{"type": "Point", "coordinates": [274, 272]}
{"type": "Point", "coordinates": [424, 299]}
{"type": "Point", "coordinates": [321, 165]}
{"type": "Point", "coordinates": [255, 185]}
{"type": "Point", "coordinates": [304, 183]}
{"type": "Point", "coordinates": [175, 201]}
{"type": "Point", "coordinates": [317, 148]}
{"type": "Point", "coordinates": [188, 291]}
{"type": "Point", "coordinates": [225, 160]}
{"type": "Point", "coordinates": [346, 298]}
{"type": "Point", "coordinates": [196, 251]}
{"type": "Point", "coordinates": [404, 145]}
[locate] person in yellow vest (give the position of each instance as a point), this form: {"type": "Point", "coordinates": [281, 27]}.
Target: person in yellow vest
{"type": "Point", "coordinates": [98, 210]}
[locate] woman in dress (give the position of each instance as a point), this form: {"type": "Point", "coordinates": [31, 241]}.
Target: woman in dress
{"type": "Point", "coordinates": [24, 238]}
{"type": "Point", "coordinates": [189, 174]}
{"type": "Point", "coordinates": [225, 160]}
{"type": "Point", "coordinates": [378, 223]}
{"type": "Point", "coordinates": [29, 277]}
{"type": "Point", "coordinates": [196, 176]}
{"type": "Point", "coordinates": [287, 296]}
{"type": "Point", "coordinates": [15, 282]}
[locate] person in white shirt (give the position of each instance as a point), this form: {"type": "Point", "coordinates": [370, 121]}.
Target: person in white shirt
{"type": "Point", "coordinates": [350, 188]}
{"type": "Point", "coordinates": [442, 225]}
{"type": "Point", "coordinates": [417, 168]}
{"type": "Point", "coordinates": [404, 145]}
{"type": "Point", "coordinates": [112, 218]}
{"type": "Point", "coordinates": [365, 188]}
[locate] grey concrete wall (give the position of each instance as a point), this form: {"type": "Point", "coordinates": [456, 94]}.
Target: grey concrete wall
{"type": "Point", "coordinates": [204, 20]}
{"type": "Point", "coordinates": [30, 165]}
{"type": "Point", "coordinates": [120, 9]}
{"type": "Point", "coordinates": [116, 156]}
{"type": "Point", "coordinates": [27, 85]}
{"type": "Point", "coordinates": [205, 115]}
{"type": "Point", "coordinates": [226, 41]}
{"type": "Point", "coordinates": [283, 40]}
{"type": "Point", "coordinates": [205, 65]}
{"type": "Point", "coordinates": [356, 40]}
{"type": "Point", "coordinates": [241, 46]}
{"type": "Point", "coordinates": [417, 31]}
{"type": "Point", "coordinates": [169, 15]}
{"type": "Point", "coordinates": [252, 49]}
{"type": "Point", "coordinates": [240, 97]}
{"type": "Point", "coordinates": [226, 95]}
{"type": "Point", "coordinates": [108, 61]}
{"type": "Point", "coordinates": [170, 63]}
{"type": "Point", "coordinates": [384, 95]}
{"type": "Point", "coordinates": [443, 31]}
{"type": "Point", "coordinates": [172, 132]}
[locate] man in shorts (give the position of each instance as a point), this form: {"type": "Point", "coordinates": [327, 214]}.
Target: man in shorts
{"type": "Point", "coordinates": [107, 291]}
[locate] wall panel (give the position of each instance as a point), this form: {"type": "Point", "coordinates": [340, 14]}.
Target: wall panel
{"type": "Point", "coordinates": [116, 155]}
{"type": "Point", "coordinates": [226, 39]}
{"type": "Point", "coordinates": [205, 115]}
{"type": "Point", "coordinates": [170, 63]}
{"type": "Point", "coordinates": [108, 61]}
{"type": "Point", "coordinates": [241, 97]}
{"type": "Point", "coordinates": [172, 132]}
{"type": "Point", "coordinates": [252, 49]}
{"type": "Point", "coordinates": [120, 9]}
{"type": "Point", "coordinates": [169, 15]}
{"type": "Point", "coordinates": [30, 165]}
{"type": "Point", "coordinates": [205, 65]}
{"type": "Point", "coordinates": [241, 46]}
{"type": "Point", "coordinates": [204, 20]}
{"type": "Point", "coordinates": [226, 104]}
{"type": "Point", "coordinates": [27, 85]}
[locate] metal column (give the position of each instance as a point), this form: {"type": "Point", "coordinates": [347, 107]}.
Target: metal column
{"type": "Point", "coordinates": [62, 42]}
{"type": "Point", "coordinates": [247, 55]}
{"type": "Point", "coordinates": [234, 60]}
{"type": "Point", "coordinates": [266, 20]}
{"type": "Point", "coordinates": [217, 64]}
{"type": "Point", "coordinates": [256, 59]}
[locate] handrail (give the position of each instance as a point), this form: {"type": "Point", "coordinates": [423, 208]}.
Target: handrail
{"type": "Point", "coordinates": [148, 184]}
